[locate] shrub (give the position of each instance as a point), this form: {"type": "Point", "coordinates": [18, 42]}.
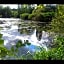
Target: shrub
{"type": "Point", "coordinates": [36, 16]}
{"type": "Point", "coordinates": [59, 41]}
{"type": "Point", "coordinates": [24, 16]}
{"type": "Point", "coordinates": [14, 14]}
{"type": "Point", "coordinates": [57, 24]}
{"type": "Point", "coordinates": [31, 16]}
{"type": "Point", "coordinates": [3, 50]}
{"type": "Point", "coordinates": [56, 53]}
{"type": "Point", "coordinates": [45, 17]}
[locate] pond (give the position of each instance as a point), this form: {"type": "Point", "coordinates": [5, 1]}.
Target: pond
{"type": "Point", "coordinates": [16, 29]}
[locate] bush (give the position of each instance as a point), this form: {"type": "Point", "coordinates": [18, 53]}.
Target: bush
{"type": "Point", "coordinates": [36, 16]}
{"type": "Point", "coordinates": [57, 24]}
{"type": "Point", "coordinates": [31, 16]}
{"type": "Point", "coordinates": [24, 16]}
{"type": "Point", "coordinates": [3, 50]}
{"type": "Point", "coordinates": [14, 14]}
{"type": "Point", "coordinates": [56, 53]}
{"type": "Point", "coordinates": [45, 17]}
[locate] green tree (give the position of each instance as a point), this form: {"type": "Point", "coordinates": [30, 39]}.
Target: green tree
{"type": "Point", "coordinates": [6, 12]}
{"type": "Point", "coordinates": [39, 8]}
{"type": "Point", "coordinates": [14, 14]}
{"type": "Point", "coordinates": [58, 22]}
{"type": "Point", "coordinates": [1, 9]}
{"type": "Point", "coordinates": [26, 8]}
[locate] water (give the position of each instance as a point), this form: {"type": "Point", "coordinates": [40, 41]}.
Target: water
{"type": "Point", "coordinates": [12, 33]}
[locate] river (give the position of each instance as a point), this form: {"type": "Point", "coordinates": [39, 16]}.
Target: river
{"type": "Point", "coordinates": [11, 34]}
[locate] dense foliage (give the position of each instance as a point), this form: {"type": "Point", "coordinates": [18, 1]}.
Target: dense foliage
{"type": "Point", "coordinates": [55, 53]}
{"type": "Point", "coordinates": [2, 48]}
{"type": "Point", "coordinates": [57, 50]}
{"type": "Point", "coordinates": [57, 23]}
{"type": "Point", "coordinates": [44, 17]}
{"type": "Point", "coordinates": [41, 13]}
{"type": "Point", "coordinates": [6, 53]}
{"type": "Point", "coordinates": [24, 16]}
{"type": "Point", "coordinates": [54, 15]}
{"type": "Point", "coordinates": [14, 13]}
{"type": "Point", "coordinates": [5, 12]}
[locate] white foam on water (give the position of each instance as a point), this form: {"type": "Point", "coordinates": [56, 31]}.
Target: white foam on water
{"type": "Point", "coordinates": [12, 34]}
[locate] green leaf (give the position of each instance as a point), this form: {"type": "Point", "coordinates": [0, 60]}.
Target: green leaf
{"type": "Point", "coordinates": [12, 48]}
{"type": "Point", "coordinates": [0, 35]}
{"type": "Point", "coordinates": [1, 42]}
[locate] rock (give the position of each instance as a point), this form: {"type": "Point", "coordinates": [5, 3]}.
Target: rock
{"type": "Point", "coordinates": [2, 22]}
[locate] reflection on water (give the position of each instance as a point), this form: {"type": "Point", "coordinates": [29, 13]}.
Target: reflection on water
{"type": "Point", "coordinates": [14, 30]}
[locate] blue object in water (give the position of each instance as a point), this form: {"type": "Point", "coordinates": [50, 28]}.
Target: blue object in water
{"type": "Point", "coordinates": [33, 48]}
